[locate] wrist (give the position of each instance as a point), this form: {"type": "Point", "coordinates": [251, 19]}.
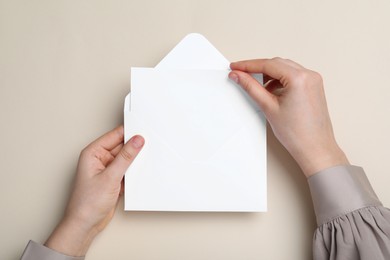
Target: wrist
{"type": "Point", "coordinates": [71, 238]}
{"type": "Point", "coordinates": [319, 159]}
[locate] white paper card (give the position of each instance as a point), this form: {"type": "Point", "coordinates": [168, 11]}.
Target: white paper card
{"type": "Point", "coordinates": [205, 144]}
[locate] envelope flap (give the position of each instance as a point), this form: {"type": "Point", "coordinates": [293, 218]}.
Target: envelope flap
{"type": "Point", "coordinates": [194, 52]}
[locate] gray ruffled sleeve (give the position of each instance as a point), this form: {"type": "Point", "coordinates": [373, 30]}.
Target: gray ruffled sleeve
{"type": "Point", "coordinates": [35, 251]}
{"type": "Point", "coordinates": [352, 223]}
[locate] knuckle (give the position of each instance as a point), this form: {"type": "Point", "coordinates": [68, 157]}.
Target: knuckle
{"type": "Point", "coordinates": [85, 152]}
{"type": "Point", "coordinates": [300, 78]}
{"type": "Point", "coordinates": [317, 77]}
{"type": "Point", "coordinates": [306, 78]}
{"type": "Point", "coordinates": [119, 132]}
{"type": "Point", "coordinates": [127, 155]}
{"type": "Point", "coordinates": [277, 59]}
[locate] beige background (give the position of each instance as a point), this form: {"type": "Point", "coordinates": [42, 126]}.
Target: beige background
{"type": "Point", "coordinates": [64, 73]}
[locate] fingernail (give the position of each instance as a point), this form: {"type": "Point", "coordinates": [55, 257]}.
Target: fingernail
{"type": "Point", "coordinates": [137, 141]}
{"type": "Point", "coordinates": [234, 77]}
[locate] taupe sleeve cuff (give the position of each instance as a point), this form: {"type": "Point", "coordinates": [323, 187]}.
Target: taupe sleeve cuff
{"type": "Point", "coordinates": [339, 190]}
{"type": "Point", "coordinates": [35, 251]}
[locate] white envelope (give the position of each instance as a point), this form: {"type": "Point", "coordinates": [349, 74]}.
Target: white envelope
{"type": "Point", "coordinates": [205, 144]}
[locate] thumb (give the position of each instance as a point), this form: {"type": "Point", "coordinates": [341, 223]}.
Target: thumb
{"type": "Point", "coordinates": [255, 90]}
{"type": "Point", "coordinates": [125, 157]}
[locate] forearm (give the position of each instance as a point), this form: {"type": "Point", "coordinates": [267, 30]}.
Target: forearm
{"type": "Point", "coordinates": [313, 161]}
{"type": "Point", "coordinates": [71, 238]}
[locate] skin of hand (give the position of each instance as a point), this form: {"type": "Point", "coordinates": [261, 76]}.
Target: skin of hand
{"type": "Point", "coordinates": [294, 103]}
{"type": "Point", "coordinates": [97, 188]}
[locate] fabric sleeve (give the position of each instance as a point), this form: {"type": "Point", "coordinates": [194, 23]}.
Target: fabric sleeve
{"type": "Point", "coordinates": [35, 251]}
{"type": "Point", "coordinates": [352, 223]}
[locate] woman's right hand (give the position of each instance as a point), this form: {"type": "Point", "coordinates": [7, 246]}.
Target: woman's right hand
{"type": "Point", "coordinates": [294, 104]}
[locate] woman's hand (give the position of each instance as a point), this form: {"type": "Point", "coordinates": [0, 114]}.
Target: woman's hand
{"type": "Point", "coordinates": [100, 171]}
{"type": "Point", "coordinates": [294, 104]}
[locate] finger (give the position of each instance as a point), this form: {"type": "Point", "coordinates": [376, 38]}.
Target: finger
{"type": "Point", "coordinates": [293, 64]}
{"type": "Point", "coordinates": [257, 92]}
{"type": "Point", "coordinates": [275, 68]}
{"type": "Point", "coordinates": [113, 153]}
{"type": "Point", "coordinates": [240, 64]}
{"type": "Point", "coordinates": [104, 156]}
{"type": "Point", "coordinates": [109, 140]}
{"type": "Point", "coordinates": [125, 157]}
{"type": "Point", "coordinates": [116, 150]}
{"type": "Point", "coordinates": [275, 87]}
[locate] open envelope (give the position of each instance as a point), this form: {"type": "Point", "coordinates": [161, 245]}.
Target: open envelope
{"type": "Point", "coordinates": [205, 144]}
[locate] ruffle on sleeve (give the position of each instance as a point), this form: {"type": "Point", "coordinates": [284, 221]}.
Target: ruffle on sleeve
{"type": "Point", "coordinates": [352, 223]}
{"type": "Point", "coordinates": [361, 234]}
